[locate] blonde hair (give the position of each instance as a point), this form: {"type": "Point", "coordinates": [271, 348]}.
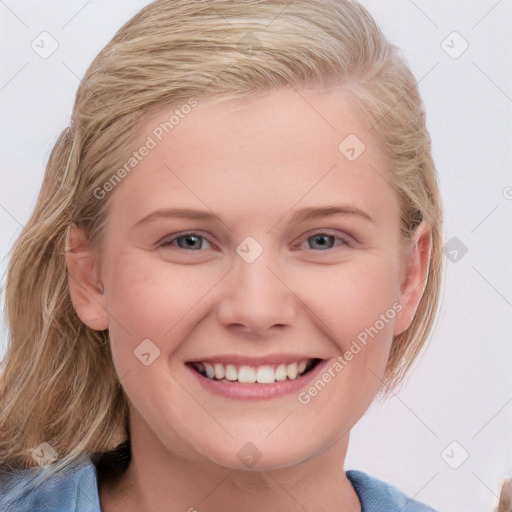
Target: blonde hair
{"type": "Point", "coordinates": [58, 382]}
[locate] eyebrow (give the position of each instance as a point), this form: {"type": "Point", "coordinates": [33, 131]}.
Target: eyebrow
{"type": "Point", "coordinates": [304, 214]}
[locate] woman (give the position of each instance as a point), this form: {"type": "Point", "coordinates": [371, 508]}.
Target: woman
{"type": "Point", "coordinates": [178, 340]}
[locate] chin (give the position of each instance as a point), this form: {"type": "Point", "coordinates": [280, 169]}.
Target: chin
{"type": "Point", "coordinates": [255, 456]}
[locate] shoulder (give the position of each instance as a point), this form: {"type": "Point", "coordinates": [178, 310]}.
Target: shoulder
{"type": "Point", "coordinates": [377, 496]}
{"type": "Point", "coordinates": [71, 490]}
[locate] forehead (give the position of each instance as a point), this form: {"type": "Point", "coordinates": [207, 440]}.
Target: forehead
{"type": "Point", "coordinates": [263, 152]}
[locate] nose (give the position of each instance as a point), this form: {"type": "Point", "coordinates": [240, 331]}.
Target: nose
{"type": "Point", "coordinates": [256, 298]}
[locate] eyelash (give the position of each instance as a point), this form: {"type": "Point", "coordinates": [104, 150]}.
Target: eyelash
{"type": "Point", "coordinates": [167, 243]}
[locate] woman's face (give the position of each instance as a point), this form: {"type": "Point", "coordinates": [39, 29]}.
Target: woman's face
{"type": "Point", "coordinates": [250, 278]}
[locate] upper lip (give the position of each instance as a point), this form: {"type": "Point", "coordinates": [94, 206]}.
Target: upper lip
{"type": "Point", "coordinates": [271, 359]}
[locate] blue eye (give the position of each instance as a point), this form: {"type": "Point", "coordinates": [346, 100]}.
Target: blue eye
{"type": "Point", "coordinates": [190, 241]}
{"type": "Point", "coordinates": [327, 241]}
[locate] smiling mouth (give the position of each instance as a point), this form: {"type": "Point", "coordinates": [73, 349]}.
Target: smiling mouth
{"type": "Point", "coordinates": [262, 374]}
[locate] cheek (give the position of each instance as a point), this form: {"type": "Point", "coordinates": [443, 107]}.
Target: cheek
{"type": "Point", "coordinates": [151, 299]}
{"type": "Point", "coordinates": [350, 298]}
{"type": "Point", "coordinates": [355, 305]}
{"type": "Point", "coordinates": [152, 295]}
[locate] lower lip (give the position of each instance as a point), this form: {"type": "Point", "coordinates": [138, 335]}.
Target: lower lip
{"type": "Point", "coordinates": [255, 391]}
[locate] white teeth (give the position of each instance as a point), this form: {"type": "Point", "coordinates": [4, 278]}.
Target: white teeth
{"type": "Point", "coordinates": [246, 375]}
{"type": "Point", "coordinates": [291, 370]}
{"type": "Point", "coordinates": [209, 370]}
{"type": "Point", "coordinates": [281, 372]}
{"type": "Point", "coordinates": [265, 374]}
{"type": "Point", "coordinates": [219, 371]}
{"type": "Point", "coordinates": [230, 372]}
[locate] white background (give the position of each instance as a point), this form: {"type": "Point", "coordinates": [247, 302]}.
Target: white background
{"type": "Point", "coordinates": [461, 389]}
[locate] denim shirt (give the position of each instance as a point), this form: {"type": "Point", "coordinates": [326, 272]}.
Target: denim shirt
{"type": "Point", "coordinates": [76, 490]}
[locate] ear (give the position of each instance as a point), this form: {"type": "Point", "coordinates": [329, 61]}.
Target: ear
{"type": "Point", "coordinates": [85, 287]}
{"type": "Point", "coordinates": [413, 276]}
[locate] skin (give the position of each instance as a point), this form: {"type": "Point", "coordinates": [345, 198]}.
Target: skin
{"type": "Point", "coordinates": [253, 163]}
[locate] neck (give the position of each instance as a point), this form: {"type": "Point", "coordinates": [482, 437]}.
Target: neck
{"type": "Point", "coordinates": [159, 481]}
